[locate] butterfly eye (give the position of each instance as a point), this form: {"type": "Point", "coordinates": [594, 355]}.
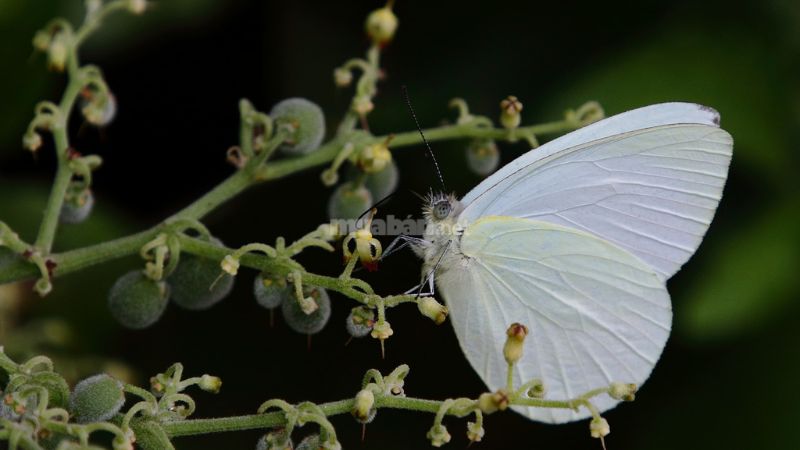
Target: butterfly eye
{"type": "Point", "coordinates": [441, 209]}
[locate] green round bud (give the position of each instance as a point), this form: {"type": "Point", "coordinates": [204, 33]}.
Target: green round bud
{"type": "Point", "coordinates": [349, 201]}
{"type": "Point", "coordinates": [196, 283]}
{"type": "Point", "coordinates": [307, 121]}
{"type": "Point", "coordinates": [310, 442]}
{"type": "Point", "coordinates": [76, 207]}
{"type": "Point", "coordinates": [56, 386]}
{"type": "Point", "coordinates": [96, 399]}
{"type": "Point", "coordinates": [483, 157]}
{"type": "Point", "coordinates": [360, 321]}
{"type": "Point", "coordinates": [271, 291]}
{"type": "Point", "coordinates": [137, 301]}
{"type": "Point", "coordinates": [379, 184]}
{"type": "Point", "coordinates": [304, 323]}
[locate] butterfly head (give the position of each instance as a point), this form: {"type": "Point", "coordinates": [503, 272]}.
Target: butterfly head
{"type": "Point", "coordinates": [441, 207]}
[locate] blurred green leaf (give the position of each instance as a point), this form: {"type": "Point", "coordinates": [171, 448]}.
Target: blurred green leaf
{"type": "Point", "coordinates": [751, 279]}
{"type": "Point", "coordinates": [727, 70]}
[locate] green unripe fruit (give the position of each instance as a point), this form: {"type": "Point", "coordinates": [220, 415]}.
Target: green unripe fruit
{"type": "Point", "coordinates": [379, 184]}
{"type": "Point", "coordinates": [195, 285]}
{"type": "Point", "coordinates": [96, 399]}
{"type": "Point", "coordinates": [483, 156]}
{"type": "Point", "coordinates": [304, 323]}
{"type": "Point", "coordinates": [270, 291]}
{"type": "Point", "coordinates": [349, 201]}
{"type": "Point", "coordinates": [76, 207]}
{"type": "Point", "coordinates": [311, 442]}
{"type": "Point", "coordinates": [307, 121]}
{"type": "Point", "coordinates": [137, 301]}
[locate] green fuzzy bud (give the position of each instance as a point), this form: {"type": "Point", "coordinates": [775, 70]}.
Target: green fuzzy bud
{"type": "Point", "coordinates": [483, 157]}
{"type": "Point", "coordinates": [270, 291]}
{"type": "Point", "coordinates": [311, 323]}
{"type": "Point", "coordinates": [137, 301]}
{"type": "Point", "coordinates": [379, 184]}
{"type": "Point", "coordinates": [96, 399]}
{"type": "Point", "coordinates": [306, 120]}
{"type": "Point", "coordinates": [349, 201]}
{"type": "Point", "coordinates": [360, 321]}
{"type": "Point", "coordinates": [76, 207]}
{"type": "Point", "coordinates": [195, 284]}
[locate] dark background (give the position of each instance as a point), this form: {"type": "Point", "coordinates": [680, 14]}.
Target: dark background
{"type": "Point", "coordinates": [728, 376]}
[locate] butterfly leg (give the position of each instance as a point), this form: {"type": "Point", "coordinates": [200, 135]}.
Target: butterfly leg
{"type": "Point", "coordinates": [402, 241]}
{"type": "Point", "coordinates": [428, 281]}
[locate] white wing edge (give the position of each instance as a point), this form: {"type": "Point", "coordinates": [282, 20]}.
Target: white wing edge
{"type": "Point", "coordinates": [646, 117]}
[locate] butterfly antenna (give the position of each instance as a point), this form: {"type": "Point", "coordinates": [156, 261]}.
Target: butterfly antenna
{"type": "Point", "coordinates": [427, 145]}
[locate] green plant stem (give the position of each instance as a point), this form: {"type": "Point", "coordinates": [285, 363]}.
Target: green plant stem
{"type": "Point", "coordinates": [49, 224]}
{"type": "Point", "coordinates": [274, 419]}
{"type": "Point", "coordinates": [73, 260]}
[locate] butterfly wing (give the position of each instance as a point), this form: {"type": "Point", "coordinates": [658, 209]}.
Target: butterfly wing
{"type": "Point", "coordinates": [595, 313]}
{"type": "Point", "coordinates": [648, 180]}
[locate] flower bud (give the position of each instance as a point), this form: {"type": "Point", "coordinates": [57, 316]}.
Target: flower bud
{"type": "Point", "coordinates": [96, 399]}
{"type": "Point", "coordinates": [374, 158]}
{"type": "Point", "coordinates": [438, 435]}
{"type": "Point", "coordinates": [382, 330]}
{"type": "Point", "coordinates": [490, 402]}
{"type": "Point", "coordinates": [136, 301]}
{"type": "Point", "coordinates": [432, 309]}
{"type": "Point", "coordinates": [360, 321]}
{"type": "Point", "coordinates": [381, 25]}
{"type": "Point", "coordinates": [230, 265]}
{"type": "Point", "coordinates": [42, 39]}
{"type": "Point", "coordinates": [195, 283]}
{"type": "Point", "coordinates": [475, 432]}
{"type": "Point", "coordinates": [307, 121]}
{"type": "Point", "coordinates": [32, 141]}
{"type": "Point", "coordinates": [536, 391]}
{"type": "Point", "coordinates": [364, 406]}
{"type": "Point", "coordinates": [271, 291]}
{"type": "Point", "coordinates": [599, 428]}
{"type": "Point", "coordinates": [483, 157]}
{"type": "Point", "coordinates": [57, 53]}
{"type": "Point", "coordinates": [210, 383]}
{"type": "Point", "coordinates": [305, 323]}
{"type": "Point", "coordinates": [349, 201]}
{"type": "Point", "coordinates": [362, 104]}
{"type": "Point", "coordinates": [342, 77]}
{"type": "Point", "coordinates": [623, 391]}
{"type": "Point", "coordinates": [510, 109]}
{"type": "Point", "coordinates": [512, 350]}
{"type": "Point", "coordinates": [99, 108]}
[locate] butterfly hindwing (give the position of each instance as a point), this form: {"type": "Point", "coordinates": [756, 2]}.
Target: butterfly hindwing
{"type": "Point", "coordinates": [595, 313]}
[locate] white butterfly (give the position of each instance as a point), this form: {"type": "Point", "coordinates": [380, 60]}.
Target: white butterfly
{"type": "Point", "coordinates": [576, 239]}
